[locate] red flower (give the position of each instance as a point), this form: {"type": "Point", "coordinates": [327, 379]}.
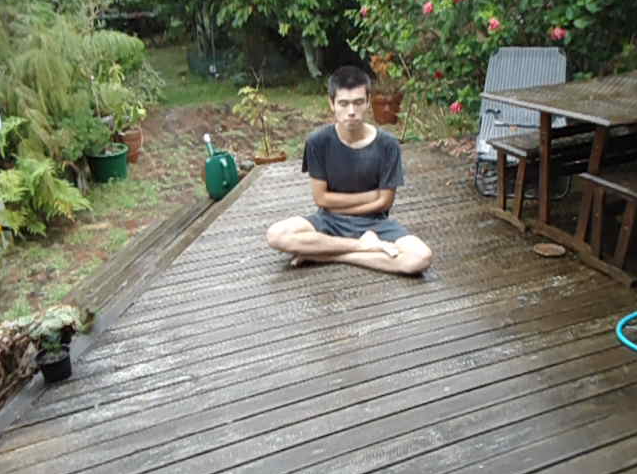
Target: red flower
{"type": "Point", "coordinates": [558, 33]}
{"type": "Point", "coordinates": [456, 107]}
{"type": "Point", "coordinates": [427, 8]}
{"type": "Point", "coordinates": [457, 1]}
{"type": "Point", "coordinates": [494, 24]}
{"type": "Point", "coordinates": [364, 11]}
{"type": "Point", "coordinates": [439, 75]}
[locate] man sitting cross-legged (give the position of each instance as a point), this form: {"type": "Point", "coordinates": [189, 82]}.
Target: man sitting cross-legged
{"type": "Point", "coordinates": [354, 170]}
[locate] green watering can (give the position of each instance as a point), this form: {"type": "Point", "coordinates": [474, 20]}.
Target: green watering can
{"type": "Point", "coordinates": [221, 171]}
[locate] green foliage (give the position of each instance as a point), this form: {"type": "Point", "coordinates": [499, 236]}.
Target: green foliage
{"type": "Point", "coordinates": [57, 76]}
{"type": "Point", "coordinates": [308, 23]}
{"type": "Point", "coordinates": [85, 135]}
{"type": "Point", "coordinates": [10, 124]}
{"type": "Point", "coordinates": [446, 46]}
{"type": "Point", "coordinates": [307, 18]}
{"type": "Point", "coordinates": [107, 48]}
{"type": "Point", "coordinates": [129, 116]}
{"type": "Point", "coordinates": [147, 84]}
{"type": "Point", "coordinates": [48, 329]}
{"type": "Point", "coordinates": [32, 194]}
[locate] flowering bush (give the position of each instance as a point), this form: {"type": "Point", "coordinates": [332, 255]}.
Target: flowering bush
{"type": "Point", "coordinates": [446, 44]}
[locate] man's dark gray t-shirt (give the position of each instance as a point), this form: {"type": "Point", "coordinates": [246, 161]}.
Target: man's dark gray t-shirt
{"type": "Point", "coordinates": [353, 170]}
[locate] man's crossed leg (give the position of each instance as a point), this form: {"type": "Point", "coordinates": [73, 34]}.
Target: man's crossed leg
{"type": "Point", "coordinates": [298, 236]}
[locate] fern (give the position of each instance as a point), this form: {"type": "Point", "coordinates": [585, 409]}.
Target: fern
{"type": "Point", "coordinates": [32, 191]}
{"type": "Point", "coordinates": [8, 125]}
{"type": "Point", "coordinates": [12, 187]}
{"type": "Point", "coordinates": [12, 219]}
{"type": "Point", "coordinates": [12, 190]}
{"type": "Point", "coordinates": [33, 223]}
{"type": "Point", "coordinates": [49, 194]}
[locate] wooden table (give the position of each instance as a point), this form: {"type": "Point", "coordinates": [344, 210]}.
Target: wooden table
{"type": "Point", "coordinates": [604, 102]}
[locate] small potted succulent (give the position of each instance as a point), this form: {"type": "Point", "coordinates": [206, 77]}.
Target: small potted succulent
{"type": "Point", "coordinates": [253, 108]}
{"type": "Point", "coordinates": [51, 332]}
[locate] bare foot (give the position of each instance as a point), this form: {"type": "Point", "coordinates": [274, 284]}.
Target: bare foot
{"type": "Point", "coordinates": [297, 261]}
{"type": "Point", "coordinates": [371, 243]}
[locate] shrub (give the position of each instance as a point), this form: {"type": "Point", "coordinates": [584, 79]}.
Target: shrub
{"type": "Point", "coordinates": [57, 76]}
{"type": "Point", "coordinates": [447, 43]}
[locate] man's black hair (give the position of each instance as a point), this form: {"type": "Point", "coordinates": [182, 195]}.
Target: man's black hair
{"type": "Point", "coordinates": [348, 77]}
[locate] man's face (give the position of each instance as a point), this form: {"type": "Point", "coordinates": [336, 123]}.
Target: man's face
{"type": "Point", "coordinates": [349, 107]}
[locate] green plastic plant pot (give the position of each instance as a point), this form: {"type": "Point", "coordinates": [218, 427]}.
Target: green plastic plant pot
{"type": "Point", "coordinates": [111, 164]}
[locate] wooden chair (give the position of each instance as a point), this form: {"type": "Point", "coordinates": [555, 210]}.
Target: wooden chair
{"type": "Point", "coordinates": [512, 68]}
{"type": "Point", "coordinates": [624, 186]}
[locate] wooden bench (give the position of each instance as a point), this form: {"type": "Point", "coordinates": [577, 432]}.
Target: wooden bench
{"type": "Point", "coordinates": [575, 140]}
{"type": "Point", "coordinates": [570, 153]}
{"type": "Point", "coordinates": [624, 186]}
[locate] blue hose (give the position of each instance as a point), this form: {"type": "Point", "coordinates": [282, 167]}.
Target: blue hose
{"type": "Point", "coordinates": [620, 331]}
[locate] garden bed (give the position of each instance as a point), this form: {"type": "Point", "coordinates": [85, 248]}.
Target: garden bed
{"type": "Point", "coordinates": [42, 271]}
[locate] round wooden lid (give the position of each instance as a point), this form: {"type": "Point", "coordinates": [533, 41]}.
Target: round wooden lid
{"type": "Point", "coordinates": [549, 250]}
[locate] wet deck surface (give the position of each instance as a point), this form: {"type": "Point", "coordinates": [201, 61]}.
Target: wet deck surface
{"type": "Point", "coordinates": [496, 361]}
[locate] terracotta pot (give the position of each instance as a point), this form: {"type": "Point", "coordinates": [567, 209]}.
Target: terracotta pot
{"type": "Point", "coordinates": [386, 107]}
{"type": "Point", "coordinates": [273, 158]}
{"type": "Point", "coordinates": [134, 138]}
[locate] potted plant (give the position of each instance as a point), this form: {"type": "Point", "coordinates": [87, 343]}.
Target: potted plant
{"type": "Point", "coordinates": [51, 332]}
{"type": "Point", "coordinates": [253, 108]}
{"type": "Point", "coordinates": [108, 161]}
{"type": "Point", "coordinates": [386, 91]}
{"type": "Point", "coordinates": [128, 130]}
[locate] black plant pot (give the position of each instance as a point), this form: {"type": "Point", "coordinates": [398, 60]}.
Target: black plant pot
{"type": "Point", "coordinates": [54, 366]}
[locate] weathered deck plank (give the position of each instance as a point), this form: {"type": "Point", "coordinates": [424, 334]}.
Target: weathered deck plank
{"type": "Point", "coordinates": [495, 361]}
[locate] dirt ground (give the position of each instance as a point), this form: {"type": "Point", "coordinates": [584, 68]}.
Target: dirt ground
{"type": "Point", "coordinates": [168, 175]}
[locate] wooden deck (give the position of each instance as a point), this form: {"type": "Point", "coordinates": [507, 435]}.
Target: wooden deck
{"type": "Point", "coordinates": [495, 361]}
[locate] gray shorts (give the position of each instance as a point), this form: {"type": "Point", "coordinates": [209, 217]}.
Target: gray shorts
{"type": "Point", "coordinates": [340, 225]}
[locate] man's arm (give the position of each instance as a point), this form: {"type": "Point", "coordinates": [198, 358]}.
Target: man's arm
{"type": "Point", "coordinates": [384, 202]}
{"type": "Point", "coordinates": [333, 201]}
{"type": "Point", "coordinates": [352, 203]}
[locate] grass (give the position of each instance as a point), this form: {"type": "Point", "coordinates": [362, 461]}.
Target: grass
{"type": "Point", "coordinates": [55, 293]}
{"type": "Point", "coordinates": [116, 239]}
{"type": "Point", "coordinates": [184, 87]}
{"type": "Point", "coordinates": [127, 194]}
{"type": "Point", "coordinates": [21, 308]}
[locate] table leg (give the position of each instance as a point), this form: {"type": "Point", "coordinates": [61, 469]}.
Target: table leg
{"type": "Point", "coordinates": [599, 197]}
{"type": "Point", "coordinates": [545, 168]}
{"type": "Point", "coordinates": [502, 180]}
{"type": "Point", "coordinates": [520, 181]}
{"type": "Point", "coordinates": [594, 165]}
